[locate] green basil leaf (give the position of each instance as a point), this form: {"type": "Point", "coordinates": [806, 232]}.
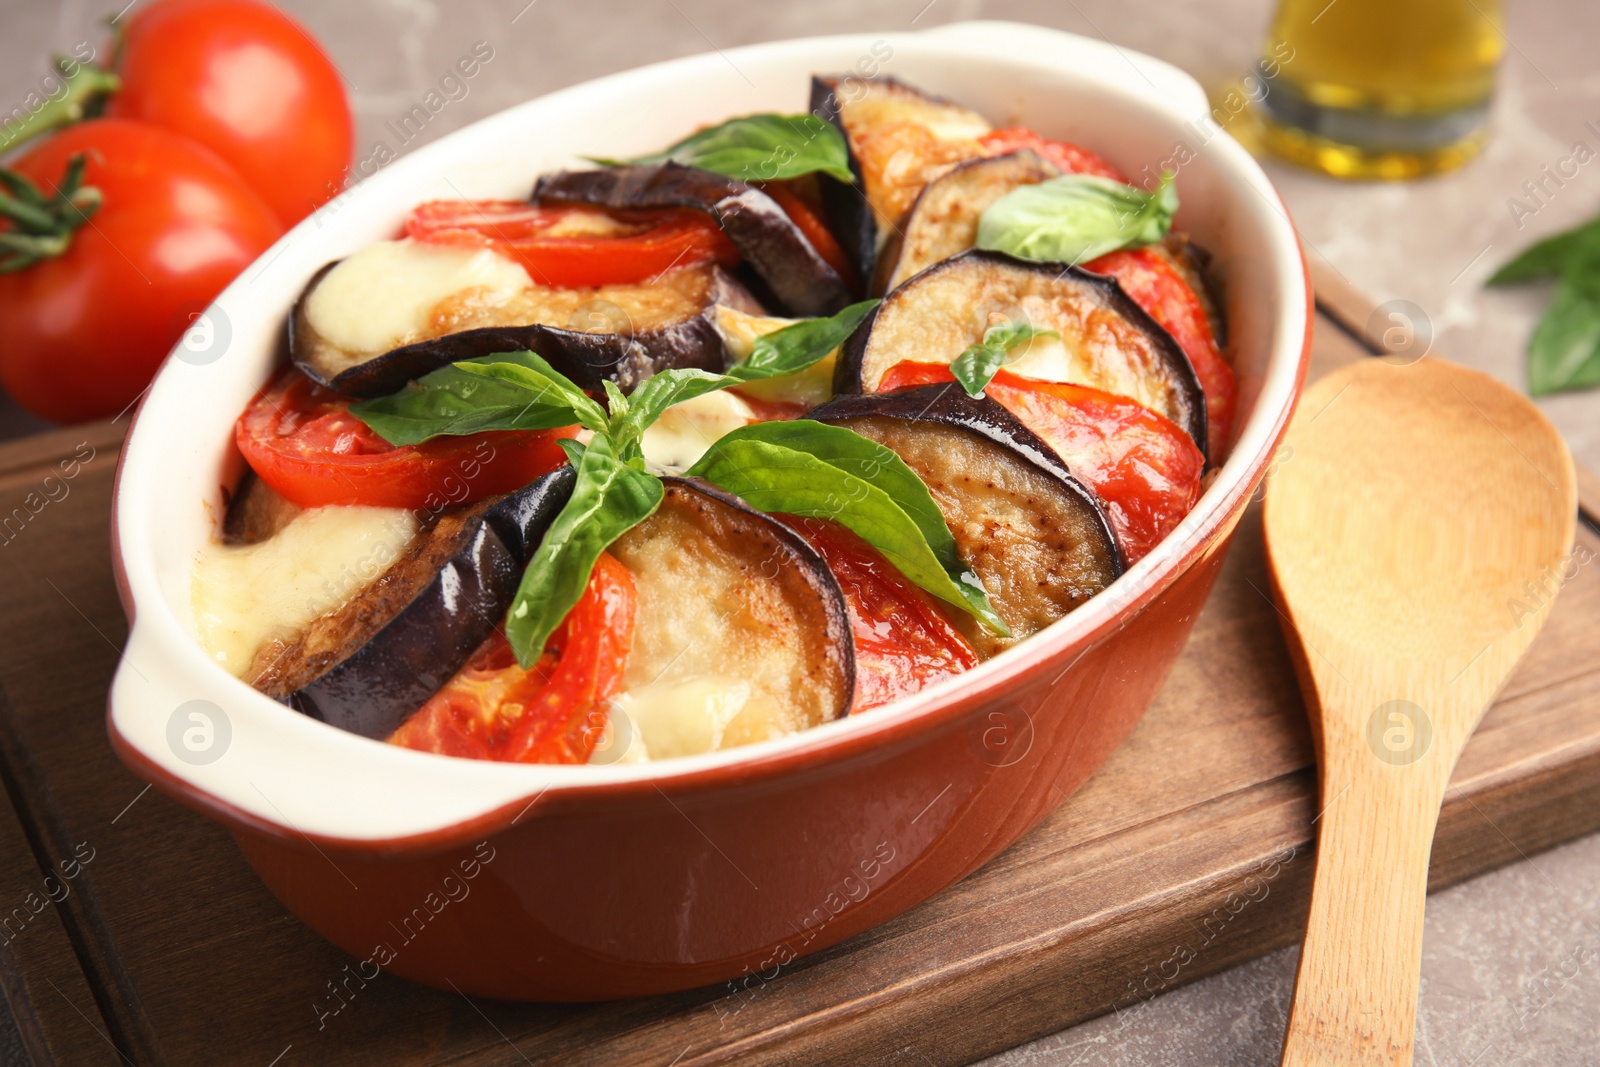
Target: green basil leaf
{"type": "Point", "coordinates": [793, 348]}
{"type": "Point", "coordinates": [616, 403]}
{"type": "Point", "coordinates": [976, 367]}
{"type": "Point", "coordinates": [759, 148]}
{"type": "Point", "coordinates": [1564, 352]}
{"type": "Point", "coordinates": [1076, 218]}
{"type": "Point", "coordinates": [655, 395]}
{"type": "Point", "coordinates": [609, 499]}
{"type": "Point", "coordinates": [809, 468]}
{"type": "Point", "coordinates": [507, 391]}
{"type": "Point", "coordinates": [1552, 256]}
{"type": "Point", "coordinates": [788, 350]}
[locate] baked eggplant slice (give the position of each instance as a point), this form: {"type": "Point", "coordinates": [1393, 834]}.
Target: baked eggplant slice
{"type": "Point", "coordinates": [899, 139]}
{"type": "Point", "coordinates": [628, 332]}
{"type": "Point", "coordinates": [255, 511]}
{"type": "Point", "coordinates": [944, 219]}
{"type": "Point", "coordinates": [1030, 530]}
{"type": "Point", "coordinates": [1106, 340]}
{"type": "Point", "coordinates": [799, 280]}
{"type": "Point", "coordinates": [372, 662]}
{"type": "Point", "coordinates": [730, 598]}
{"type": "Point", "coordinates": [844, 205]}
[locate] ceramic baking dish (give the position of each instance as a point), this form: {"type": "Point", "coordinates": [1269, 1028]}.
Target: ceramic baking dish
{"type": "Point", "coordinates": [587, 882]}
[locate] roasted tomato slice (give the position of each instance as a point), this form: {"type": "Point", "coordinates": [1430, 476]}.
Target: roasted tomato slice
{"type": "Point", "coordinates": [554, 712]}
{"type": "Point", "coordinates": [903, 641]}
{"type": "Point", "coordinates": [302, 441]}
{"type": "Point", "coordinates": [1143, 467]}
{"type": "Point", "coordinates": [576, 246]}
{"type": "Point", "coordinates": [1068, 158]}
{"type": "Point", "coordinates": [1155, 285]}
{"type": "Point", "coordinates": [809, 221]}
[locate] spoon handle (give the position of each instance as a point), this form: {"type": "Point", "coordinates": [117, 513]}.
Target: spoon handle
{"type": "Point", "coordinates": [1355, 998]}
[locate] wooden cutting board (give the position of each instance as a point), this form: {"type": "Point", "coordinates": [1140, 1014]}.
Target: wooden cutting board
{"type": "Point", "coordinates": [1188, 853]}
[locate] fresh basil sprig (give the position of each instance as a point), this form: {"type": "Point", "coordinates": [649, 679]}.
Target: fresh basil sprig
{"type": "Point", "coordinates": [828, 472]}
{"type": "Point", "coordinates": [609, 497]}
{"type": "Point", "coordinates": [976, 367]}
{"type": "Point", "coordinates": [1076, 218]}
{"type": "Point", "coordinates": [758, 148]}
{"type": "Point", "coordinates": [508, 391]}
{"type": "Point", "coordinates": [800, 467]}
{"type": "Point", "coordinates": [795, 347]}
{"type": "Point", "coordinates": [522, 391]}
{"type": "Point", "coordinates": [1564, 351]}
{"type": "Point", "coordinates": [1553, 256]}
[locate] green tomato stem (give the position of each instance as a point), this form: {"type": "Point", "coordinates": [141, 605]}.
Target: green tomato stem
{"type": "Point", "coordinates": [84, 87]}
{"type": "Point", "coordinates": [42, 227]}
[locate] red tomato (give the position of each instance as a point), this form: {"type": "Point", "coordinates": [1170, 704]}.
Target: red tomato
{"type": "Point", "coordinates": [554, 712]}
{"type": "Point", "coordinates": [1143, 467]}
{"type": "Point", "coordinates": [82, 333]}
{"type": "Point", "coordinates": [1068, 158]}
{"type": "Point", "coordinates": [763, 410]}
{"type": "Point", "coordinates": [815, 230]}
{"type": "Point", "coordinates": [303, 442]}
{"type": "Point", "coordinates": [1155, 285]}
{"type": "Point", "coordinates": [903, 641]}
{"type": "Point", "coordinates": [249, 83]}
{"type": "Point", "coordinates": [575, 246]}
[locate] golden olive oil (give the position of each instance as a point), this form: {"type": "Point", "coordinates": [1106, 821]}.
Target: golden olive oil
{"type": "Point", "coordinates": [1382, 88]}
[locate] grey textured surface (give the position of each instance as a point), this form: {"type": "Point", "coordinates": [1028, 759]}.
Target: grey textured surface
{"type": "Point", "coordinates": [1512, 960]}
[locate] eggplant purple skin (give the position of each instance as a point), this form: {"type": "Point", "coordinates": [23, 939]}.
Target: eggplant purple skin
{"type": "Point", "coordinates": [799, 280]}
{"type": "Point", "coordinates": [844, 205]}
{"type": "Point", "coordinates": [394, 672]}
{"type": "Point", "coordinates": [589, 359]}
{"type": "Point", "coordinates": [847, 371]}
{"type": "Point", "coordinates": [949, 404]}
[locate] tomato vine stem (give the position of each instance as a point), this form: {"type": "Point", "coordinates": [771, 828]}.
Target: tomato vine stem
{"type": "Point", "coordinates": [84, 87]}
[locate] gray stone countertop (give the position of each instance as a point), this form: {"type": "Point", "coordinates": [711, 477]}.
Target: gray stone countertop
{"type": "Point", "coordinates": [1511, 969]}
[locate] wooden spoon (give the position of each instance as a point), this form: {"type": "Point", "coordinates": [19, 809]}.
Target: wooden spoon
{"type": "Point", "coordinates": [1416, 525]}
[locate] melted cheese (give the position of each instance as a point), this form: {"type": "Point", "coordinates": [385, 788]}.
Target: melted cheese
{"type": "Point", "coordinates": [685, 431]}
{"type": "Point", "coordinates": [1046, 359]}
{"type": "Point", "coordinates": [385, 295]}
{"type": "Point", "coordinates": [688, 716]}
{"type": "Point", "coordinates": [246, 595]}
{"type": "Point", "coordinates": [810, 387]}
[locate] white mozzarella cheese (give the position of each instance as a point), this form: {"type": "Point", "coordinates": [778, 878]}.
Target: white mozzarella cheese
{"type": "Point", "coordinates": [810, 387]}
{"type": "Point", "coordinates": [689, 716]}
{"type": "Point", "coordinates": [246, 595]}
{"type": "Point", "coordinates": [685, 431]}
{"type": "Point", "coordinates": [1047, 359]}
{"type": "Point", "coordinates": [384, 295]}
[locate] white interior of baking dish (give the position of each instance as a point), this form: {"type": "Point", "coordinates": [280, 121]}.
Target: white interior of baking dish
{"type": "Point", "coordinates": [286, 769]}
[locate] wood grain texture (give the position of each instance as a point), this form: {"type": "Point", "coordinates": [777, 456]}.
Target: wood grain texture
{"type": "Point", "coordinates": [1188, 853]}
{"type": "Point", "coordinates": [1415, 509]}
{"type": "Point", "coordinates": [44, 988]}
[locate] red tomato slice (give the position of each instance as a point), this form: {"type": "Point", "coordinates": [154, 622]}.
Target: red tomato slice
{"type": "Point", "coordinates": [1155, 285]}
{"type": "Point", "coordinates": [554, 712]}
{"type": "Point", "coordinates": [763, 410]}
{"type": "Point", "coordinates": [1068, 158]}
{"type": "Point", "coordinates": [903, 641]}
{"type": "Point", "coordinates": [574, 246]}
{"type": "Point", "coordinates": [302, 441]}
{"type": "Point", "coordinates": [815, 230]}
{"type": "Point", "coordinates": [1143, 467]}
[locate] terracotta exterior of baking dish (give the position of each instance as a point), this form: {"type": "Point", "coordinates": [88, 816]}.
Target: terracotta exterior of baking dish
{"type": "Point", "coordinates": [583, 883]}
